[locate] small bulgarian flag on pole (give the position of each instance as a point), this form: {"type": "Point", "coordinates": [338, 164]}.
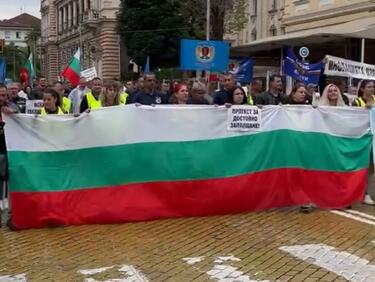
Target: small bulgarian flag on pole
{"type": "Point", "coordinates": [27, 71]}
{"type": "Point", "coordinates": [73, 70]}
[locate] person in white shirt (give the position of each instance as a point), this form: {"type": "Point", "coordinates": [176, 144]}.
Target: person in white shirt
{"type": "Point", "coordinates": [77, 94]}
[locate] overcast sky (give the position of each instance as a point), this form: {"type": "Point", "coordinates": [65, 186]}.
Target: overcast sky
{"type": "Point", "coordinates": [12, 8]}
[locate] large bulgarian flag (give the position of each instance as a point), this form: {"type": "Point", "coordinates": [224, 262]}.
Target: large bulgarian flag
{"type": "Point", "coordinates": [130, 164]}
{"type": "Point", "coordinates": [73, 70]}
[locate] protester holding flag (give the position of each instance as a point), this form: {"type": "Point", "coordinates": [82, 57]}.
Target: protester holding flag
{"type": "Point", "coordinates": [331, 96]}
{"type": "Point", "coordinates": [148, 94]}
{"type": "Point", "coordinates": [366, 94]}
{"type": "Point", "coordinates": [66, 104]}
{"type": "Point", "coordinates": [51, 101]}
{"type": "Point", "coordinates": [91, 100]}
{"type": "Point", "coordinates": [298, 95]}
{"type": "Point", "coordinates": [256, 88]}
{"type": "Point", "coordinates": [275, 95]}
{"type": "Point", "coordinates": [76, 95]}
{"type": "Point", "coordinates": [366, 99]}
{"type": "Point", "coordinates": [198, 92]}
{"type": "Point", "coordinates": [180, 95]}
{"type": "Point", "coordinates": [111, 96]}
{"type": "Point", "coordinates": [225, 96]}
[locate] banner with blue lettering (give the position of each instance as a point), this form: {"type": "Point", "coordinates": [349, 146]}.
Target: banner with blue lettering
{"type": "Point", "coordinates": [299, 70]}
{"type": "Point", "coordinates": [204, 55]}
{"type": "Point", "coordinates": [2, 70]}
{"type": "Point", "coordinates": [242, 70]}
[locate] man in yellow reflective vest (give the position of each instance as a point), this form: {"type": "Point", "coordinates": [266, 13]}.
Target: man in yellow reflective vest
{"type": "Point", "coordinates": [92, 100]}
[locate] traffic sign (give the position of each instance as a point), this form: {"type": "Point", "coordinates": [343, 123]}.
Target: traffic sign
{"type": "Point", "coordinates": [304, 52]}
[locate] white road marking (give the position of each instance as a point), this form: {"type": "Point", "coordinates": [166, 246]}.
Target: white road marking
{"type": "Point", "coordinates": [230, 258]}
{"type": "Point", "coordinates": [343, 264]}
{"type": "Point", "coordinates": [129, 274]}
{"type": "Point", "coordinates": [221, 272]}
{"type": "Point", "coordinates": [193, 260]}
{"type": "Point", "coordinates": [13, 278]}
{"type": "Point", "coordinates": [362, 214]}
{"type": "Point", "coordinates": [95, 270]}
{"type": "Point", "coordinates": [228, 273]}
{"type": "Point", "coordinates": [134, 274]}
{"type": "Point", "coordinates": [348, 215]}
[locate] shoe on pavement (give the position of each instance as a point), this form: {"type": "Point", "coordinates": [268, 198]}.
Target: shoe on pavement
{"type": "Point", "coordinates": [368, 200]}
{"type": "Point", "coordinates": [308, 208]}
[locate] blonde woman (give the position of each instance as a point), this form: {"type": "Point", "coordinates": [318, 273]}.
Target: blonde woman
{"type": "Point", "coordinates": [111, 95]}
{"type": "Point", "coordinates": [331, 96]}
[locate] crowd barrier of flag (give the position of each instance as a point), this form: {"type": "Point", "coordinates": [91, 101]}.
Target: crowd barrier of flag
{"type": "Point", "coordinates": [104, 167]}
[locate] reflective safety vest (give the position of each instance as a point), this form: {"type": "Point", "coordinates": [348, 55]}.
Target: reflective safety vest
{"type": "Point", "coordinates": [66, 104]}
{"type": "Point", "coordinates": [123, 98]}
{"type": "Point", "coordinates": [92, 102]}
{"type": "Point", "coordinates": [250, 100]}
{"type": "Point", "coordinates": [43, 111]}
{"type": "Point", "coordinates": [361, 102]}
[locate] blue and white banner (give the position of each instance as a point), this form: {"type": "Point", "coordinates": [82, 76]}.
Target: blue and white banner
{"type": "Point", "coordinates": [2, 70]}
{"type": "Point", "coordinates": [204, 55]}
{"type": "Point", "coordinates": [242, 70]}
{"type": "Point", "coordinates": [299, 70]}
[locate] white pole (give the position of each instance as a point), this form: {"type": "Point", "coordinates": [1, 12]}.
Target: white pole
{"type": "Point", "coordinates": [363, 42]}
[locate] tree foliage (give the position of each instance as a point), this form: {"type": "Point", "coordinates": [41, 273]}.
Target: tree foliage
{"type": "Point", "coordinates": [14, 57]}
{"type": "Point", "coordinates": [154, 27]}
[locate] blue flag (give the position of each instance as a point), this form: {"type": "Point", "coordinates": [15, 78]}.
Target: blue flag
{"type": "Point", "coordinates": [299, 70]}
{"type": "Point", "coordinates": [204, 55]}
{"type": "Point", "coordinates": [243, 71]}
{"type": "Point", "coordinates": [2, 70]}
{"type": "Point", "coordinates": [147, 66]}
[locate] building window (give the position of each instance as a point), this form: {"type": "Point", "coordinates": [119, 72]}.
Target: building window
{"type": "Point", "coordinates": [18, 35]}
{"type": "Point", "coordinates": [71, 16]}
{"type": "Point", "coordinates": [7, 35]}
{"type": "Point", "coordinates": [273, 31]}
{"type": "Point", "coordinates": [253, 35]}
{"type": "Point", "coordinates": [273, 4]}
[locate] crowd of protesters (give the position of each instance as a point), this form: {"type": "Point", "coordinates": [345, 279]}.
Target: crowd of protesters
{"type": "Point", "coordinates": [60, 98]}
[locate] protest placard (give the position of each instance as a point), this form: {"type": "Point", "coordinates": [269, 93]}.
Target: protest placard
{"type": "Point", "coordinates": [244, 118]}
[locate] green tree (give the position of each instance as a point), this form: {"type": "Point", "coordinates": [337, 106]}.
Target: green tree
{"type": "Point", "coordinates": [154, 28]}
{"type": "Point", "coordinates": [227, 16]}
{"type": "Point", "coordinates": [15, 57]}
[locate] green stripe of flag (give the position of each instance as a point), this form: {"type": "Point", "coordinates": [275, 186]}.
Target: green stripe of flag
{"type": "Point", "coordinates": [168, 161]}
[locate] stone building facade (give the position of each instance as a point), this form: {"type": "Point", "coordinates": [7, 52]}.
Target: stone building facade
{"type": "Point", "coordinates": [86, 24]}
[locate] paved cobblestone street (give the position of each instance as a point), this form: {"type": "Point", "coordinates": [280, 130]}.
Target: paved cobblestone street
{"type": "Point", "coordinates": [277, 245]}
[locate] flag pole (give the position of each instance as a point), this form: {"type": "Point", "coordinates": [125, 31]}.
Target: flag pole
{"type": "Point", "coordinates": [208, 19]}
